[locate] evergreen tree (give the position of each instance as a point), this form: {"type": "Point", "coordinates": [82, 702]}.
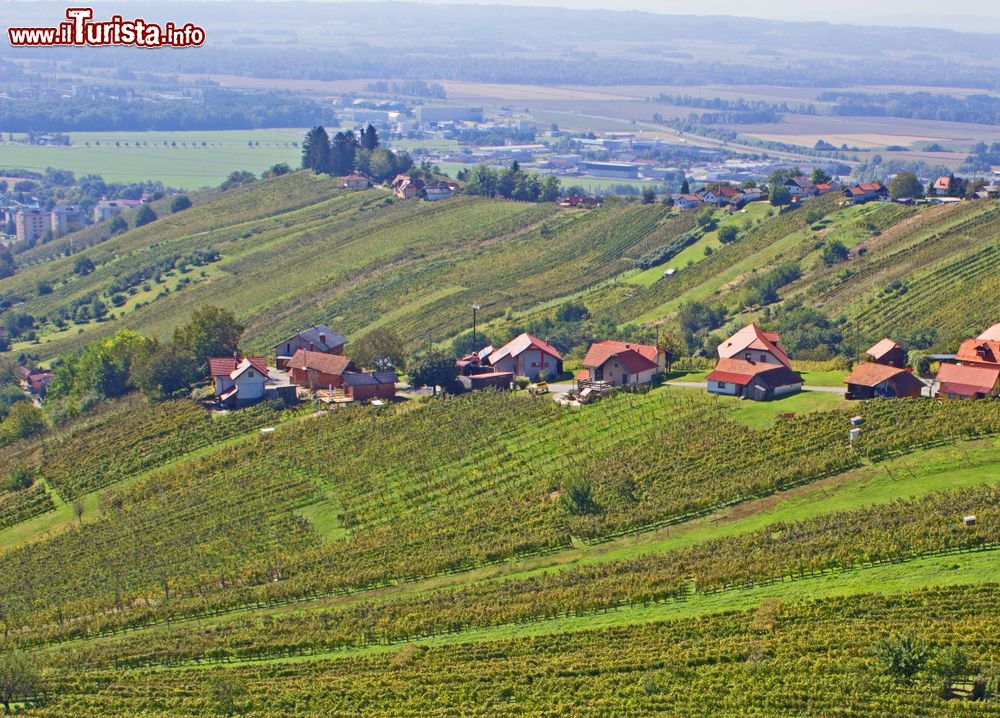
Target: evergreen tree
{"type": "Point", "coordinates": [369, 138]}
{"type": "Point", "coordinates": [316, 150]}
{"type": "Point", "coordinates": [685, 187]}
{"type": "Point", "coordinates": [344, 147]}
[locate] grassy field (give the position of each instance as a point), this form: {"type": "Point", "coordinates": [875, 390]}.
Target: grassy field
{"type": "Point", "coordinates": [185, 160]}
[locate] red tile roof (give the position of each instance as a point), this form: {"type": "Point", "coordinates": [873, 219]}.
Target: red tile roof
{"type": "Point", "coordinates": [943, 182]}
{"type": "Point", "coordinates": [334, 364]}
{"type": "Point", "coordinates": [967, 380]}
{"type": "Point", "coordinates": [882, 348]}
{"type": "Point", "coordinates": [742, 372]}
{"type": "Point", "coordinates": [753, 337]}
{"type": "Point", "coordinates": [600, 352]}
{"type": "Point", "coordinates": [872, 374]}
{"type": "Point", "coordinates": [979, 351]}
{"type": "Point", "coordinates": [520, 344]}
{"type": "Point", "coordinates": [224, 366]}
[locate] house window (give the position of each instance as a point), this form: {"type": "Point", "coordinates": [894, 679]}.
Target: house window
{"type": "Point", "coordinates": [763, 358]}
{"type": "Point", "coordinates": [721, 384]}
{"type": "Point", "coordinates": [599, 373]}
{"type": "Point", "coordinates": [250, 373]}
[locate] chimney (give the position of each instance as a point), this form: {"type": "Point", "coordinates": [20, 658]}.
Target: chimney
{"type": "Point", "coordinates": [322, 338]}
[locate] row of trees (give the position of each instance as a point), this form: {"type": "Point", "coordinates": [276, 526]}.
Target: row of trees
{"type": "Point", "coordinates": [510, 183]}
{"type": "Point", "coordinates": [346, 153]}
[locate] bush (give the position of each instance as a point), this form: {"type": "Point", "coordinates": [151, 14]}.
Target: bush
{"type": "Point", "coordinates": [727, 234]}
{"type": "Point", "coordinates": [83, 266]}
{"type": "Point", "coordinates": [144, 216]}
{"type": "Point", "coordinates": [20, 478]}
{"type": "Point", "coordinates": [578, 497]}
{"type": "Point", "coordinates": [902, 656]}
{"type": "Point", "coordinates": [180, 203]}
{"type": "Point", "coordinates": [833, 253]}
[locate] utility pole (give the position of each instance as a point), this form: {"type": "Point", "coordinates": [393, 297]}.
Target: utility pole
{"type": "Point", "coordinates": [475, 346]}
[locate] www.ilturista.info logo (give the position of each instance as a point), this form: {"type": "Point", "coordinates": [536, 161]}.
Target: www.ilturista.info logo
{"type": "Point", "coordinates": [81, 30]}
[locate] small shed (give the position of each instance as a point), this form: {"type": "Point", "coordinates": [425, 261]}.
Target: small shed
{"type": "Point", "coordinates": [969, 520]}
{"type": "Point", "coordinates": [367, 385]}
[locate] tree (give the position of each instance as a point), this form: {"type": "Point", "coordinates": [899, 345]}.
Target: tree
{"type": "Point", "coordinates": [905, 184]}
{"type": "Point", "coordinates": [572, 312]}
{"type": "Point", "coordinates": [212, 331]}
{"type": "Point", "coordinates": [167, 372]}
{"type": "Point", "coordinates": [342, 153]}
{"type": "Point", "coordinates": [550, 189]}
{"type": "Point", "coordinates": [380, 349]}
{"type": "Point", "coordinates": [780, 196]}
{"type": "Point", "coordinates": [180, 203]}
{"type": "Point", "coordinates": [23, 420]}
{"type": "Point", "coordinates": [20, 478]}
{"type": "Point", "coordinates": [19, 679]}
{"type": "Point", "coordinates": [144, 216]}
{"type": "Point", "coordinates": [7, 264]}
{"type": "Point", "coordinates": [578, 496]}
{"type": "Point", "coordinates": [672, 347]}
{"type": "Point", "coordinates": [369, 138]}
{"type": "Point", "coordinates": [316, 150]}
{"type": "Point", "coordinates": [706, 218]}
{"type": "Point", "coordinates": [83, 266]}
{"type": "Point", "coordinates": [820, 176]}
{"type": "Point", "coordinates": [117, 225]}
{"type": "Point", "coordinates": [433, 369]}
{"type": "Point", "coordinates": [920, 361]}
{"type": "Point", "coordinates": [685, 187]}
{"type": "Point", "coordinates": [902, 656]}
{"type": "Point", "coordinates": [834, 252]}
{"type": "Point", "coordinates": [648, 195]}
{"type": "Point", "coordinates": [727, 234]}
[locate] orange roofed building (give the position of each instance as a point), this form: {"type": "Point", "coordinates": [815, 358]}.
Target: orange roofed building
{"type": "Point", "coordinates": [621, 363]}
{"type": "Point", "coordinates": [527, 355]}
{"type": "Point", "coordinates": [753, 365]}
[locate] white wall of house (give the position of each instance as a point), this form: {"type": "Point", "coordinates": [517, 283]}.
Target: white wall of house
{"type": "Point", "coordinates": [613, 372]}
{"type": "Point", "coordinates": [727, 388]}
{"type": "Point", "coordinates": [251, 385]}
{"type": "Point", "coordinates": [758, 356]}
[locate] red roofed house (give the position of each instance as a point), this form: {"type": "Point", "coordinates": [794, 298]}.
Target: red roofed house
{"type": "Point", "coordinates": [318, 338]}
{"type": "Point", "coordinates": [979, 352]}
{"type": "Point", "coordinates": [529, 356]}
{"type": "Point", "coordinates": [622, 364]}
{"type": "Point", "coordinates": [967, 382]}
{"type": "Point", "coordinates": [719, 196]}
{"type": "Point", "coordinates": [870, 380]}
{"type": "Point", "coordinates": [238, 382]}
{"type": "Point", "coordinates": [318, 370]}
{"type": "Point", "coordinates": [866, 192]}
{"type": "Point", "coordinates": [943, 186]}
{"type": "Point", "coordinates": [406, 187]}
{"type": "Point", "coordinates": [354, 181]}
{"type": "Point", "coordinates": [753, 365]}
{"type": "Point", "coordinates": [888, 352]}
{"type": "Point", "coordinates": [687, 201]}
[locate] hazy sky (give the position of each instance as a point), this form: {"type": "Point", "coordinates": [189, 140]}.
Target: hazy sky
{"type": "Point", "coordinates": [969, 17]}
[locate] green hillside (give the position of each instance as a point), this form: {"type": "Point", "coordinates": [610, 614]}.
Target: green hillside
{"type": "Point", "coordinates": [658, 553]}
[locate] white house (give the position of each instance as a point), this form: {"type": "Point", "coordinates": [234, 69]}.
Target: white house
{"type": "Point", "coordinates": [239, 382]}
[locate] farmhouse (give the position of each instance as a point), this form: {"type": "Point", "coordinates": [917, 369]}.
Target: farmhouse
{"type": "Point", "coordinates": [354, 181]}
{"type": "Point", "coordinates": [318, 370]}
{"type": "Point", "coordinates": [526, 355]}
{"type": "Point", "coordinates": [434, 191]}
{"type": "Point", "coordinates": [967, 382]}
{"type": "Point", "coordinates": [871, 380]}
{"type": "Point", "coordinates": [622, 364]}
{"type": "Point", "coordinates": [753, 365]}
{"type": "Point", "coordinates": [318, 338]}
{"type": "Point", "coordinates": [238, 382]}
{"type": "Point", "coordinates": [866, 192]}
{"type": "Point", "coordinates": [979, 352]}
{"type": "Point", "coordinates": [759, 381]}
{"type": "Point", "coordinates": [406, 187]}
{"type": "Point", "coordinates": [500, 380]}
{"type": "Point", "coordinates": [719, 196]}
{"type": "Point", "coordinates": [945, 186]}
{"type": "Point", "coordinates": [992, 334]}
{"type": "Point", "coordinates": [801, 187]}
{"type": "Point", "coordinates": [368, 385]}
{"type": "Point", "coordinates": [888, 352]}
{"type": "Point", "coordinates": [687, 201]}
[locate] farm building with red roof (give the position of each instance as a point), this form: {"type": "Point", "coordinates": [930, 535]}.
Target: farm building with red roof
{"type": "Point", "coordinates": [752, 364]}
{"type": "Point", "coordinates": [967, 382]}
{"type": "Point", "coordinates": [622, 364]}
{"type": "Point", "coordinates": [237, 381]}
{"type": "Point", "coordinates": [888, 352]}
{"type": "Point", "coordinates": [871, 380]}
{"type": "Point", "coordinates": [527, 355]}
{"type": "Point", "coordinates": [318, 370]}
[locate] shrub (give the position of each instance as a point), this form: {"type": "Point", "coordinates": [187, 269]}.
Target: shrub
{"type": "Point", "coordinates": [180, 203]}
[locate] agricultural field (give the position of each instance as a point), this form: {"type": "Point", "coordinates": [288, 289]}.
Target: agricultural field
{"type": "Point", "coordinates": [183, 160]}
{"type": "Point", "coordinates": [337, 544]}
